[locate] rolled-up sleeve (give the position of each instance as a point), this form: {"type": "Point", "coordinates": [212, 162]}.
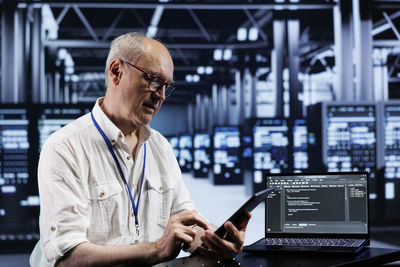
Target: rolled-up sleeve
{"type": "Point", "coordinates": [64, 217]}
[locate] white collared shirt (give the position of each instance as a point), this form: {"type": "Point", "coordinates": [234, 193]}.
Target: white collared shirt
{"type": "Point", "coordinates": [83, 197]}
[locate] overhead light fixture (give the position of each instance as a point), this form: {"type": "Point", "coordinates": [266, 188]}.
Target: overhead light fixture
{"type": "Point", "coordinates": [189, 78]}
{"type": "Point", "coordinates": [196, 78]}
{"type": "Point", "coordinates": [62, 53]}
{"type": "Point", "coordinates": [253, 34]}
{"type": "Point", "coordinates": [227, 54]}
{"type": "Point", "coordinates": [217, 54]}
{"type": "Point", "coordinates": [209, 70]}
{"type": "Point", "coordinates": [49, 23]}
{"type": "Point", "coordinates": [155, 20]}
{"type": "Point", "coordinates": [200, 70]}
{"type": "Point", "coordinates": [69, 70]}
{"type": "Point", "coordinates": [151, 31]}
{"type": "Point", "coordinates": [241, 34]}
{"type": "Point", "coordinates": [74, 78]}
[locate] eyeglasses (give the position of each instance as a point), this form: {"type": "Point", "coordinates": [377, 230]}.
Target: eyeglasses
{"type": "Point", "coordinates": [156, 84]}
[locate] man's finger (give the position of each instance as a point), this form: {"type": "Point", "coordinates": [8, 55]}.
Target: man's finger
{"type": "Point", "coordinates": [193, 218]}
{"type": "Point", "coordinates": [215, 243]}
{"type": "Point", "coordinates": [244, 221]}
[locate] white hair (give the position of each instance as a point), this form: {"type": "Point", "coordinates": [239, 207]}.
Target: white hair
{"type": "Point", "coordinates": [128, 46]}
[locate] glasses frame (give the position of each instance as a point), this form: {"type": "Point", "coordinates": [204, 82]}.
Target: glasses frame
{"type": "Point", "coordinates": [169, 87]}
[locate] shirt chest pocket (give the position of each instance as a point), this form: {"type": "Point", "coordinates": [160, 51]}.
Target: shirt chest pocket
{"type": "Point", "coordinates": [106, 201]}
{"type": "Point", "coordinates": [161, 196]}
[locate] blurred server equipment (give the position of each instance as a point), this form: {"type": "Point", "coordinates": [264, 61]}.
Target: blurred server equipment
{"type": "Point", "coordinates": [19, 201]}
{"type": "Point", "coordinates": [390, 185]}
{"type": "Point", "coordinates": [53, 117]}
{"type": "Point", "coordinates": [186, 152]}
{"type": "Point", "coordinates": [174, 141]}
{"type": "Point", "coordinates": [344, 139]}
{"type": "Point", "coordinates": [270, 150]}
{"type": "Point", "coordinates": [226, 155]}
{"type": "Point", "coordinates": [24, 129]}
{"type": "Point", "coordinates": [299, 137]}
{"type": "Point", "coordinates": [201, 154]}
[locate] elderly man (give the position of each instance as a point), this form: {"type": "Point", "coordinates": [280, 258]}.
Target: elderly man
{"type": "Point", "coordinates": [110, 188]}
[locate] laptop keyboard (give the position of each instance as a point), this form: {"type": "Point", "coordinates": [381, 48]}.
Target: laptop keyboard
{"type": "Point", "coordinates": [314, 242]}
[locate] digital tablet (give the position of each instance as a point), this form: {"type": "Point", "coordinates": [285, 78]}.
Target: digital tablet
{"type": "Point", "coordinates": [248, 206]}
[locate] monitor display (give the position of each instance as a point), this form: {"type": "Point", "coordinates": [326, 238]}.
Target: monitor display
{"type": "Point", "coordinates": [185, 152]}
{"type": "Point", "coordinates": [226, 154]}
{"type": "Point", "coordinates": [270, 146]}
{"type": "Point", "coordinates": [55, 117]}
{"type": "Point", "coordinates": [392, 141]}
{"type": "Point", "coordinates": [300, 142]}
{"type": "Point", "coordinates": [185, 141]}
{"type": "Point", "coordinates": [201, 154]}
{"type": "Point", "coordinates": [350, 137]}
{"type": "Point", "coordinates": [18, 187]}
{"type": "Point", "coordinates": [391, 160]}
{"type": "Point", "coordinates": [326, 203]}
{"type": "Point", "coordinates": [174, 141]}
{"type": "Point", "coordinates": [201, 140]}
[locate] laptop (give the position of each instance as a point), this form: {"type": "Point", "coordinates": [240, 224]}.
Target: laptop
{"type": "Point", "coordinates": [315, 212]}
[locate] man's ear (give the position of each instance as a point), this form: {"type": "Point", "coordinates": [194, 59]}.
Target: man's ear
{"type": "Point", "coordinates": [115, 71]}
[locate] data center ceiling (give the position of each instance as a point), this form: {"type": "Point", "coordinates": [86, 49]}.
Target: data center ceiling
{"type": "Point", "coordinates": [193, 30]}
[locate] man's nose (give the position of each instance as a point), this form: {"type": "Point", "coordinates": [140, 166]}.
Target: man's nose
{"type": "Point", "coordinates": [160, 93]}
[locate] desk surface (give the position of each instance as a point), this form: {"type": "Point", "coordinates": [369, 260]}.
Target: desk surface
{"type": "Point", "coordinates": [370, 256]}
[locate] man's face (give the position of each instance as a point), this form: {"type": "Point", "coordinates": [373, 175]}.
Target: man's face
{"type": "Point", "coordinates": [139, 104]}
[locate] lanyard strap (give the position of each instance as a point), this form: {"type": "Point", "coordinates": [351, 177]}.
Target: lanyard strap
{"type": "Point", "coordinates": [110, 148]}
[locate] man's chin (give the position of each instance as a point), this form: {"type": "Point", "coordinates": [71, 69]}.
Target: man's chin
{"type": "Point", "coordinates": [147, 119]}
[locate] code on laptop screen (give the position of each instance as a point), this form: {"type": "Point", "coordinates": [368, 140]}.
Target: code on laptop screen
{"type": "Point", "coordinates": [317, 203]}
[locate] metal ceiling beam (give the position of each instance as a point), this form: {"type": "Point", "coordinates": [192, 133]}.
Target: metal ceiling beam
{"type": "Point", "coordinates": [383, 25]}
{"type": "Point", "coordinates": [386, 43]}
{"type": "Point", "coordinates": [85, 22]}
{"type": "Point", "coordinates": [200, 25]}
{"type": "Point", "coordinates": [255, 24]}
{"type": "Point", "coordinates": [179, 52]}
{"type": "Point", "coordinates": [203, 6]}
{"type": "Point", "coordinates": [62, 14]}
{"type": "Point", "coordinates": [386, 4]}
{"type": "Point", "coordinates": [394, 66]}
{"type": "Point", "coordinates": [113, 25]}
{"type": "Point", "coordinates": [162, 33]}
{"type": "Point", "coordinates": [139, 19]}
{"type": "Point", "coordinates": [101, 44]}
{"type": "Point", "coordinates": [266, 17]}
{"type": "Point", "coordinates": [155, 20]}
{"type": "Point", "coordinates": [394, 29]}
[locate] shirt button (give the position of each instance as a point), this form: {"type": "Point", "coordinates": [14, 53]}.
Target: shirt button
{"type": "Point", "coordinates": [52, 228]}
{"type": "Point", "coordinates": [120, 135]}
{"type": "Point", "coordinates": [113, 141]}
{"type": "Point", "coordinates": [101, 194]}
{"type": "Point", "coordinates": [128, 157]}
{"type": "Point", "coordinates": [161, 188]}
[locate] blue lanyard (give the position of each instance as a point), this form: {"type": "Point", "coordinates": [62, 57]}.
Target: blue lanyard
{"type": "Point", "coordinates": [110, 148]}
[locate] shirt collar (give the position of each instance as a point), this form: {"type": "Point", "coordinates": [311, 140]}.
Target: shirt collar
{"type": "Point", "coordinates": [112, 132]}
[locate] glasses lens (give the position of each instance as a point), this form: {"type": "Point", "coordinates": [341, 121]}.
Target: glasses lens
{"type": "Point", "coordinates": [169, 89]}
{"type": "Point", "coordinates": [155, 84]}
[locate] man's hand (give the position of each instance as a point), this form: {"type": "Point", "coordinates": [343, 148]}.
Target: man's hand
{"type": "Point", "coordinates": [229, 247]}
{"type": "Point", "coordinates": [179, 233]}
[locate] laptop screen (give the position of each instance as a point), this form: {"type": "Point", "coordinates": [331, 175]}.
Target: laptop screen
{"type": "Point", "coordinates": [328, 203]}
